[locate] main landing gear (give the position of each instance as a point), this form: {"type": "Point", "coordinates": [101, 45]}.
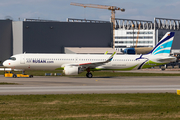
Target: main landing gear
{"type": "Point", "coordinates": [89, 74]}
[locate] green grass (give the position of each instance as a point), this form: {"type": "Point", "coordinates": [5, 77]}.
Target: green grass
{"type": "Point", "coordinates": [5, 83]}
{"type": "Point", "coordinates": [91, 107]}
{"type": "Point", "coordinates": [97, 73]}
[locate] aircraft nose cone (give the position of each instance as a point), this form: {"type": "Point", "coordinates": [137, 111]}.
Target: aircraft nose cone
{"type": "Point", "coordinates": [5, 63]}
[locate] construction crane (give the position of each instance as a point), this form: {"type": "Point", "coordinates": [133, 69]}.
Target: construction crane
{"type": "Point", "coordinates": [112, 8]}
{"type": "Point", "coordinates": [141, 50]}
{"type": "Point", "coordinates": [137, 35]}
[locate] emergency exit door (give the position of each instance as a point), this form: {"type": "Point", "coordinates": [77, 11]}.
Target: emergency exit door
{"type": "Point", "coordinates": [22, 59]}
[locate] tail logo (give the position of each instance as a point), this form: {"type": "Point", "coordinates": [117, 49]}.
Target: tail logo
{"type": "Point", "coordinates": [164, 45]}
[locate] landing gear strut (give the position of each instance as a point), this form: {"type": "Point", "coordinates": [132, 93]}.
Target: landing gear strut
{"type": "Point", "coordinates": [89, 74]}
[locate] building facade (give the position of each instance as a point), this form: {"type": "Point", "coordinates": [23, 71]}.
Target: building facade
{"type": "Point", "coordinates": [35, 36]}
{"type": "Point", "coordinates": [44, 36]}
{"type": "Point", "coordinates": [163, 25]}
{"type": "Point", "coordinates": [140, 33]}
{"type": "Point", "coordinates": [6, 41]}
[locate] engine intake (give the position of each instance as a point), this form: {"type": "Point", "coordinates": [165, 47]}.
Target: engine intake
{"type": "Point", "coordinates": [72, 70]}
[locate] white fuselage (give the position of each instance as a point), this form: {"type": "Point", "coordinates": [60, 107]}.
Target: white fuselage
{"type": "Point", "coordinates": [55, 61]}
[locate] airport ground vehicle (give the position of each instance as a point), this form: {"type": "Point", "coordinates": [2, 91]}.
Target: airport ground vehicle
{"type": "Point", "coordinates": [11, 74]}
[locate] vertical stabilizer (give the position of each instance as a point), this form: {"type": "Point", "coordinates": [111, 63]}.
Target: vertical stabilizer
{"type": "Point", "coordinates": [163, 48]}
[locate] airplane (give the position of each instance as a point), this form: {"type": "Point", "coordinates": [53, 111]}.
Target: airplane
{"type": "Point", "coordinates": [73, 64]}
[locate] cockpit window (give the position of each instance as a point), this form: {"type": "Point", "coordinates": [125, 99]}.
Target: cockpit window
{"type": "Point", "coordinates": [12, 58]}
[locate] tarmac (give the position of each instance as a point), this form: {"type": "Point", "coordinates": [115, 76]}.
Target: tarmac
{"type": "Point", "coordinates": [83, 85]}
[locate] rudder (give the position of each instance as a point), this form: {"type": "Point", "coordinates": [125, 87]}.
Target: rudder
{"type": "Point", "coordinates": [164, 46]}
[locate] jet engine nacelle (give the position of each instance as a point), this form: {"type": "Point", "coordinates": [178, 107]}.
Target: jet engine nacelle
{"type": "Point", "coordinates": [72, 70]}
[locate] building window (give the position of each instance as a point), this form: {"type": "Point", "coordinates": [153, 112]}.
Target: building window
{"type": "Point", "coordinates": [139, 32]}
{"type": "Point", "coordinates": [130, 42]}
{"type": "Point", "coordinates": [140, 37]}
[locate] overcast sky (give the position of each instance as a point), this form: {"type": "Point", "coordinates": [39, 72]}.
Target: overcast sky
{"type": "Point", "coordinates": [61, 9]}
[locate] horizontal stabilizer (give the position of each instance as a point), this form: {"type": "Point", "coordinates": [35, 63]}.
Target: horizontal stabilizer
{"type": "Point", "coordinates": [172, 59]}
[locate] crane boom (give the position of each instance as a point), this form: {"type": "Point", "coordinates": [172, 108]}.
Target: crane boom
{"type": "Point", "coordinates": [96, 6]}
{"type": "Point", "coordinates": [112, 8]}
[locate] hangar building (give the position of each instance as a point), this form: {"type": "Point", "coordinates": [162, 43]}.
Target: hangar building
{"type": "Point", "coordinates": [45, 36]}
{"type": "Point", "coordinates": [148, 33]}
{"type": "Point", "coordinates": [6, 41]}
{"type": "Point", "coordinates": [37, 36]}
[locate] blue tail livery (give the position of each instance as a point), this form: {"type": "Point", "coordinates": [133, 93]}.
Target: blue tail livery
{"type": "Point", "coordinates": [164, 46]}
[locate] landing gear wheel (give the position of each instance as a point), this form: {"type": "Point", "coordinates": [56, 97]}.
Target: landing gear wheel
{"type": "Point", "coordinates": [30, 76]}
{"type": "Point", "coordinates": [89, 75]}
{"type": "Point", "coordinates": [14, 76]}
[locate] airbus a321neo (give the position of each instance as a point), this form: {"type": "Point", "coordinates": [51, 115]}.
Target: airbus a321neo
{"type": "Point", "coordinates": [73, 64]}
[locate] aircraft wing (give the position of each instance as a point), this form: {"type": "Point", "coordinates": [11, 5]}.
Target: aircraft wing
{"type": "Point", "coordinates": [93, 64]}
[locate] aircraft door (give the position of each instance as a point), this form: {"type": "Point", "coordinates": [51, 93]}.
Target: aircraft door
{"type": "Point", "coordinates": [22, 59]}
